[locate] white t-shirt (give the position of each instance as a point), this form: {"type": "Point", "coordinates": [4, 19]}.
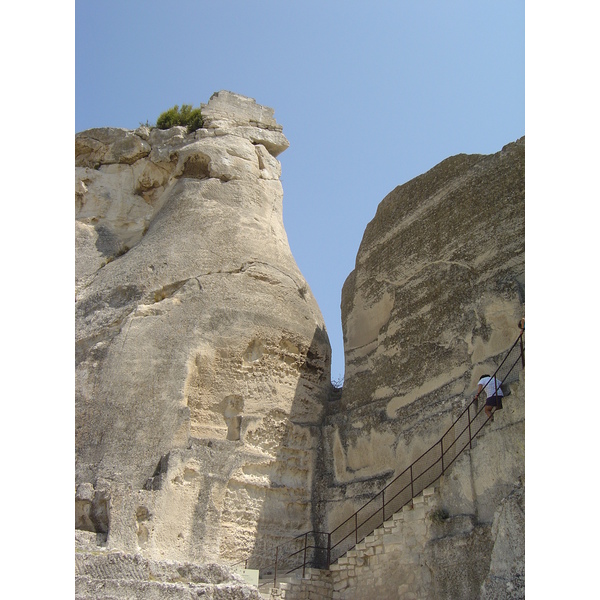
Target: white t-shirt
{"type": "Point", "coordinates": [491, 386]}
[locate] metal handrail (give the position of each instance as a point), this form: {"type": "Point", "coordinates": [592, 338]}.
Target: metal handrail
{"type": "Point", "coordinates": [409, 473]}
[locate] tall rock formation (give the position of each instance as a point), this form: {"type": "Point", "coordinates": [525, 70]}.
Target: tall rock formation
{"type": "Point", "coordinates": [439, 281]}
{"type": "Point", "coordinates": [205, 427]}
{"type": "Point", "coordinates": [203, 364]}
{"type": "Point", "coordinates": [433, 304]}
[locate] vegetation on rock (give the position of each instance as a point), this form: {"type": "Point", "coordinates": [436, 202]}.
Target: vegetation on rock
{"type": "Point", "coordinates": [187, 116]}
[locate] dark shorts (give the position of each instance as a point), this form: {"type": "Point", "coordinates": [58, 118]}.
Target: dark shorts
{"type": "Point", "coordinates": [494, 401]}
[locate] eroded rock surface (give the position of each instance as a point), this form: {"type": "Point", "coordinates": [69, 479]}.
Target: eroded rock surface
{"type": "Point", "coordinates": [506, 576]}
{"type": "Point", "coordinates": [110, 575]}
{"type": "Point", "coordinates": [205, 428]}
{"type": "Point", "coordinates": [202, 357]}
{"type": "Point", "coordinates": [432, 304]}
{"type": "Point", "coordinates": [439, 280]}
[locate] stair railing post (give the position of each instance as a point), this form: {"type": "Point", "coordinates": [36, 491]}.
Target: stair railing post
{"type": "Point", "coordinates": [275, 574]}
{"type": "Point", "coordinates": [328, 550]}
{"type": "Point", "coordinates": [304, 562]}
{"type": "Point", "coordinates": [522, 350]}
{"type": "Point", "coordinates": [412, 484]}
{"type": "Point", "coordinates": [356, 527]}
{"type": "Point", "coordinates": [469, 419]}
{"type": "Point", "coordinates": [442, 449]}
{"type": "Point", "coordinates": [383, 504]}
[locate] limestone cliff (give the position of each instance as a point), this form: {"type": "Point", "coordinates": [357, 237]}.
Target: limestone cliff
{"type": "Point", "coordinates": [206, 430]}
{"type": "Point", "coordinates": [203, 363]}
{"type": "Point", "coordinates": [432, 305]}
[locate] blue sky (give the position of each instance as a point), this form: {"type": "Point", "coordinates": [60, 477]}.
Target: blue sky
{"type": "Point", "coordinates": [370, 95]}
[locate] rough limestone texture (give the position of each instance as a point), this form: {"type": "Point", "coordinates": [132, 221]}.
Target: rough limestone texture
{"type": "Point", "coordinates": [432, 304]}
{"type": "Point", "coordinates": [506, 577]}
{"type": "Point", "coordinates": [486, 486]}
{"type": "Point", "coordinates": [439, 546]}
{"type": "Point", "coordinates": [114, 575]}
{"type": "Point", "coordinates": [205, 427]}
{"type": "Point", "coordinates": [203, 364]}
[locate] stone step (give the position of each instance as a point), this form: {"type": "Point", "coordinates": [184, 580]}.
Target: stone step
{"type": "Point", "coordinates": [87, 588]}
{"type": "Point", "coordinates": [312, 572]}
{"type": "Point", "coordinates": [121, 576]}
{"type": "Point", "coordinates": [367, 546]}
{"type": "Point", "coordinates": [363, 547]}
{"type": "Point", "coordinates": [121, 565]}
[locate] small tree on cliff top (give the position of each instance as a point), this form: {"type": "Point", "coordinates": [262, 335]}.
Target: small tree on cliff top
{"type": "Point", "coordinates": [188, 117]}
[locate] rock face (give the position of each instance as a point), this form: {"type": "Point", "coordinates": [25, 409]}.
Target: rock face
{"type": "Point", "coordinates": [206, 430]}
{"type": "Point", "coordinates": [439, 280]}
{"type": "Point", "coordinates": [432, 305]}
{"type": "Point", "coordinates": [116, 574]}
{"type": "Point", "coordinates": [506, 576]}
{"type": "Point", "coordinates": [202, 357]}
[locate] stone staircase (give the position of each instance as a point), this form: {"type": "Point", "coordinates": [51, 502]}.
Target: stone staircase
{"type": "Point", "coordinates": [316, 584]}
{"type": "Point", "coordinates": [405, 534]}
{"type": "Point", "coordinates": [398, 547]}
{"type": "Point", "coordinates": [402, 545]}
{"type": "Point", "coordinates": [109, 575]}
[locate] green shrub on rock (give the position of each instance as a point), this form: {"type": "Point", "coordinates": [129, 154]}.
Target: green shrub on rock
{"type": "Point", "coordinates": [188, 117]}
